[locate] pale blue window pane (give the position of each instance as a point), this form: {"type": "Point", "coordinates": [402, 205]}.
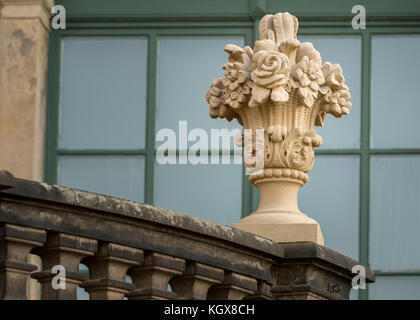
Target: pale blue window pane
{"type": "Point", "coordinates": [212, 192]}
{"type": "Point", "coordinates": [395, 288]}
{"type": "Point", "coordinates": [346, 51]}
{"type": "Point", "coordinates": [354, 294]}
{"type": "Point", "coordinates": [103, 95]}
{"type": "Point", "coordinates": [83, 268]}
{"type": "Point", "coordinates": [395, 91]}
{"type": "Point", "coordinates": [81, 293]}
{"type": "Point", "coordinates": [186, 69]}
{"type": "Point", "coordinates": [111, 175]}
{"type": "Point", "coordinates": [395, 213]}
{"type": "Point", "coordinates": [331, 197]}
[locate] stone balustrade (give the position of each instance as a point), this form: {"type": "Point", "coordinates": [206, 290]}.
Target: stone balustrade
{"type": "Point", "coordinates": [157, 248]}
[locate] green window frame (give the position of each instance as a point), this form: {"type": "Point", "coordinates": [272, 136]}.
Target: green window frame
{"type": "Point", "coordinates": [236, 17]}
{"type": "Point", "coordinates": [152, 34]}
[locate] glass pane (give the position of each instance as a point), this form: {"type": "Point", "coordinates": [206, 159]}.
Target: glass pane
{"type": "Point", "coordinates": [394, 212]}
{"type": "Point", "coordinates": [186, 69]}
{"type": "Point", "coordinates": [346, 51]}
{"type": "Point", "coordinates": [394, 93]}
{"type": "Point", "coordinates": [354, 294]}
{"type": "Point", "coordinates": [81, 294]}
{"type": "Point", "coordinates": [212, 192]}
{"type": "Point", "coordinates": [331, 197]}
{"type": "Point", "coordinates": [111, 175]}
{"type": "Point", "coordinates": [395, 288]}
{"type": "Point", "coordinates": [103, 95]}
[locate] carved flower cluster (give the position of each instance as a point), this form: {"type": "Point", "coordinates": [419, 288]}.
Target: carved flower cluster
{"type": "Point", "coordinates": [336, 93]}
{"type": "Point", "coordinates": [216, 98]}
{"type": "Point", "coordinates": [234, 90]}
{"type": "Point", "coordinates": [274, 71]}
{"type": "Point", "coordinates": [307, 76]}
{"type": "Point", "coordinates": [236, 79]}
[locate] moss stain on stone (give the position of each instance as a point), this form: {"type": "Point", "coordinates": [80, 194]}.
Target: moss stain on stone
{"type": "Point", "coordinates": [26, 43]}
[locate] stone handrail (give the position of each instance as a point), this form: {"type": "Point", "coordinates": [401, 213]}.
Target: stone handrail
{"type": "Point", "coordinates": [199, 259]}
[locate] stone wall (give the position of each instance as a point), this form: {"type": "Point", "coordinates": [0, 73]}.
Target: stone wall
{"type": "Point", "coordinates": [24, 30]}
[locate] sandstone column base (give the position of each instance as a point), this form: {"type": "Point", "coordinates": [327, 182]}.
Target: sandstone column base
{"type": "Point", "coordinates": [278, 217]}
{"type": "Point", "coordinates": [282, 227]}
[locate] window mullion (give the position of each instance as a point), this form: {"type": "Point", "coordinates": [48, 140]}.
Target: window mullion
{"type": "Point", "coordinates": [151, 117]}
{"type": "Point", "coordinates": [365, 159]}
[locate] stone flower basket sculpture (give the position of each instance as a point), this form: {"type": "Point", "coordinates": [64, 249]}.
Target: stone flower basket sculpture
{"type": "Point", "coordinates": [283, 88]}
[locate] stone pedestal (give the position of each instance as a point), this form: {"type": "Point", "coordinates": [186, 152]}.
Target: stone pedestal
{"type": "Point", "coordinates": [313, 272]}
{"type": "Point", "coordinates": [278, 216]}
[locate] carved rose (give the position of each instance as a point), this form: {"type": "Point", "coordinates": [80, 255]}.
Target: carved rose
{"type": "Point", "coordinates": [270, 69]}
{"type": "Point", "coordinates": [270, 72]}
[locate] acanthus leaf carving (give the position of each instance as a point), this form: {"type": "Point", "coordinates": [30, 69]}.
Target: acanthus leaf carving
{"type": "Point", "coordinates": [297, 151]}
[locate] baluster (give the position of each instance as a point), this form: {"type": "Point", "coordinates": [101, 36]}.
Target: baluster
{"type": "Point", "coordinates": [196, 281]}
{"type": "Point", "coordinates": [15, 244]}
{"type": "Point", "coordinates": [234, 287]}
{"type": "Point", "coordinates": [152, 278]}
{"type": "Point", "coordinates": [108, 269]}
{"type": "Point", "coordinates": [67, 251]}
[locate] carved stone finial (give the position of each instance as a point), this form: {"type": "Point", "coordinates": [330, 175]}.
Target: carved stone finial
{"type": "Point", "coordinates": [282, 87]}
